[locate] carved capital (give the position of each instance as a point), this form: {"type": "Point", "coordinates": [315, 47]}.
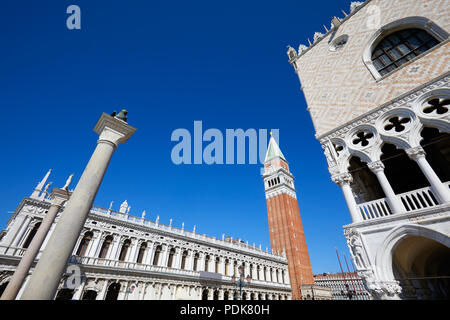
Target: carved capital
{"type": "Point", "coordinates": [376, 166]}
{"type": "Point", "coordinates": [343, 178]}
{"type": "Point", "coordinates": [415, 153]}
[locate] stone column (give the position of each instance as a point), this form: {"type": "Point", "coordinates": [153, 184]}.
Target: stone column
{"type": "Point", "coordinates": [395, 204]}
{"type": "Point", "coordinates": [79, 291]}
{"type": "Point", "coordinates": [43, 284]}
{"type": "Point", "coordinates": [344, 180]}
{"type": "Point", "coordinates": [59, 196]}
{"type": "Point", "coordinates": [102, 294]}
{"type": "Point", "coordinates": [96, 244]}
{"type": "Point", "coordinates": [441, 191]}
{"type": "Point", "coordinates": [17, 223]}
{"type": "Point", "coordinates": [114, 248]}
{"type": "Point", "coordinates": [132, 251]}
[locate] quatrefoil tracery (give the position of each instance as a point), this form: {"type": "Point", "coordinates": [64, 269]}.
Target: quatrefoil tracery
{"type": "Point", "coordinates": [438, 105]}
{"type": "Point", "coordinates": [397, 123]}
{"type": "Point", "coordinates": [363, 138]}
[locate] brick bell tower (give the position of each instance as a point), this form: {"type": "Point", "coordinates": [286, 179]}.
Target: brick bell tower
{"type": "Point", "coordinates": [285, 225]}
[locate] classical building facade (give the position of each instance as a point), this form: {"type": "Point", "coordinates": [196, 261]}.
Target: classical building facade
{"type": "Point", "coordinates": [377, 86]}
{"type": "Point", "coordinates": [343, 286]}
{"type": "Point", "coordinates": [286, 232]}
{"type": "Point", "coordinates": [120, 256]}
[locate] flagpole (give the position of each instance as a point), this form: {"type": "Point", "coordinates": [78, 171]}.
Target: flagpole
{"type": "Point", "coordinates": [345, 281]}
{"type": "Point", "coordinates": [349, 272]}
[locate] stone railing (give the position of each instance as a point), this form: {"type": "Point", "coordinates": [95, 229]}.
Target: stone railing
{"type": "Point", "coordinates": [12, 251]}
{"type": "Point", "coordinates": [412, 200]}
{"type": "Point", "coordinates": [243, 247]}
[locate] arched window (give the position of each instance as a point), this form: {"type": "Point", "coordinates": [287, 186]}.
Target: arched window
{"type": "Point", "coordinates": [31, 235]}
{"type": "Point", "coordinates": [206, 262]}
{"type": "Point", "coordinates": [183, 259]}
{"type": "Point", "coordinates": [157, 254]}
{"type": "Point", "coordinates": [196, 256]}
{"type": "Point", "coordinates": [217, 264]}
{"type": "Point", "coordinates": [105, 247]}
{"type": "Point", "coordinates": [89, 295]}
{"type": "Point", "coordinates": [124, 250]}
{"type": "Point", "coordinates": [171, 255]}
{"type": "Point", "coordinates": [141, 252]}
{"type": "Point", "coordinates": [400, 41]}
{"type": "Point", "coordinates": [84, 244]}
{"type": "Point", "coordinates": [227, 264]}
{"type": "Point", "coordinates": [400, 47]}
{"type": "Point", "coordinates": [113, 291]}
{"type": "Point", "coordinates": [258, 269]}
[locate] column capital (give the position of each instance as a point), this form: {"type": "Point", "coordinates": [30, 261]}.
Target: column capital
{"type": "Point", "coordinates": [376, 166]}
{"type": "Point", "coordinates": [59, 196]}
{"type": "Point", "coordinates": [342, 178]}
{"type": "Point", "coordinates": [416, 153]}
{"type": "Point", "coordinates": [113, 130]}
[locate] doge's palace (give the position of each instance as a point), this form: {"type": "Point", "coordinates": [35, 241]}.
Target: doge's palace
{"type": "Point", "coordinates": [377, 86]}
{"type": "Point", "coordinates": [125, 257]}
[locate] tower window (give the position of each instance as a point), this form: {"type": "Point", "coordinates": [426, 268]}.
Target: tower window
{"type": "Point", "coordinates": [400, 47]}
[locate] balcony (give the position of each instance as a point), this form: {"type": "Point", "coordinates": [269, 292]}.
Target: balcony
{"type": "Point", "coordinates": [412, 201]}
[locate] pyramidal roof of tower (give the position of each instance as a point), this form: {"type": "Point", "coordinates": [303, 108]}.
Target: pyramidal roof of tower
{"type": "Point", "coordinates": [273, 151]}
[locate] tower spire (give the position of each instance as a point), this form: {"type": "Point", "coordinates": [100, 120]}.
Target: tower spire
{"type": "Point", "coordinates": [273, 150]}
{"type": "Point", "coordinates": [40, 186]}
{"type": "Point", "coordinates": [285, 225]}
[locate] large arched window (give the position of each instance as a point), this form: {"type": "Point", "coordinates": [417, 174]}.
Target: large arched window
{"type": "Point", "coordinates": [84, 244]}
{"type": "Point", "coordinates": [400, 41]}
{"type": "Point", "coordinates": [400, 47]}
{"type": "Point", "coordinates": [183, 260]}
{"type": "Point", "coordinates": [141, 252]}
{"type": "Point", "coordinates": [156, 257]}
{"type": "Point", "coordinates": [171, 255]}
{"type": "Point", "coordinates": [196, 257]}
{"type": "Point", "coordinates": [124, 250]}
{"type": "Point", "coordinates": [105, 247]}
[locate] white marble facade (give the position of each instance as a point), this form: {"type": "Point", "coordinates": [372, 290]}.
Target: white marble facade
{"type": "Point", "coordinates": [187, 266]}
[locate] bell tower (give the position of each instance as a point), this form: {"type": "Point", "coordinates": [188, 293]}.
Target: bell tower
{"type": "Point", "coordinates": [285, 225]}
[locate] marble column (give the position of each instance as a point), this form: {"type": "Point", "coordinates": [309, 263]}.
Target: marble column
{"type": "Point", "coordinates": [395, 204]}
{"type": "Point", "coordinates": [43, 284]}
{"type": "Point", "coordinates": [59, 197]}
{"type": "Point", "coordinates": [344, 180]}
{"type": "Point", "coordinates": [441, 191]}
{"type": "Point", "coordinates": [102, 294]}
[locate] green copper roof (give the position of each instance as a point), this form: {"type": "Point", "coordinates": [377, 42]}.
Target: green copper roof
{"type": "Point", "coordinates": [273, 151]}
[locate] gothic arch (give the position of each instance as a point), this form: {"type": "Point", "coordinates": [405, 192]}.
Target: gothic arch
{"type": "Point", "coordinates": [405, 23]}
{"type": "Point", "coordinates": [383, 257]}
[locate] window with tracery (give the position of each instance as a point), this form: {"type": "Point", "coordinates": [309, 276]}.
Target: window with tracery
{"type": "Point", "coordinates": [400, 47]}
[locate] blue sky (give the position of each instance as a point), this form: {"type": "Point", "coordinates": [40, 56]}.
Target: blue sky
{"type": "Point", "coordinates": [169, 64]}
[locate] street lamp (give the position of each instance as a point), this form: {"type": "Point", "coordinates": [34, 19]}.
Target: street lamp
{"type": "Point", "coordinates": [241, 282]}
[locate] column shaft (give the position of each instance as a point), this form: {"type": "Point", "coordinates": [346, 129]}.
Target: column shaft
{"type": "Point", "coordinates": [43, 284]}
{"type": "Point", "coordinates": [27, 260]}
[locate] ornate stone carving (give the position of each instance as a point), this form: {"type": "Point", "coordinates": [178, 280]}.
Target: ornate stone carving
{"type": "Point", "coordinates": [342, 178]}
{"type": "Point", "coordinates": [376, 165]}
{"type": "Point", "coordinates": [416, 152]}
{"type": "Point", "coordinates": [356, 248]}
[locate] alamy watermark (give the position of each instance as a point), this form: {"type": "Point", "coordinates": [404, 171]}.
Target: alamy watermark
{"type": "Point", "coordinates": [239, 145]}
{"type": "Point", "coordinates": [74, 20]}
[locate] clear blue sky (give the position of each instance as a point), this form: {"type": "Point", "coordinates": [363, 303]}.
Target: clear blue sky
{"type": "Point", "coordinates": [169, 63]}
